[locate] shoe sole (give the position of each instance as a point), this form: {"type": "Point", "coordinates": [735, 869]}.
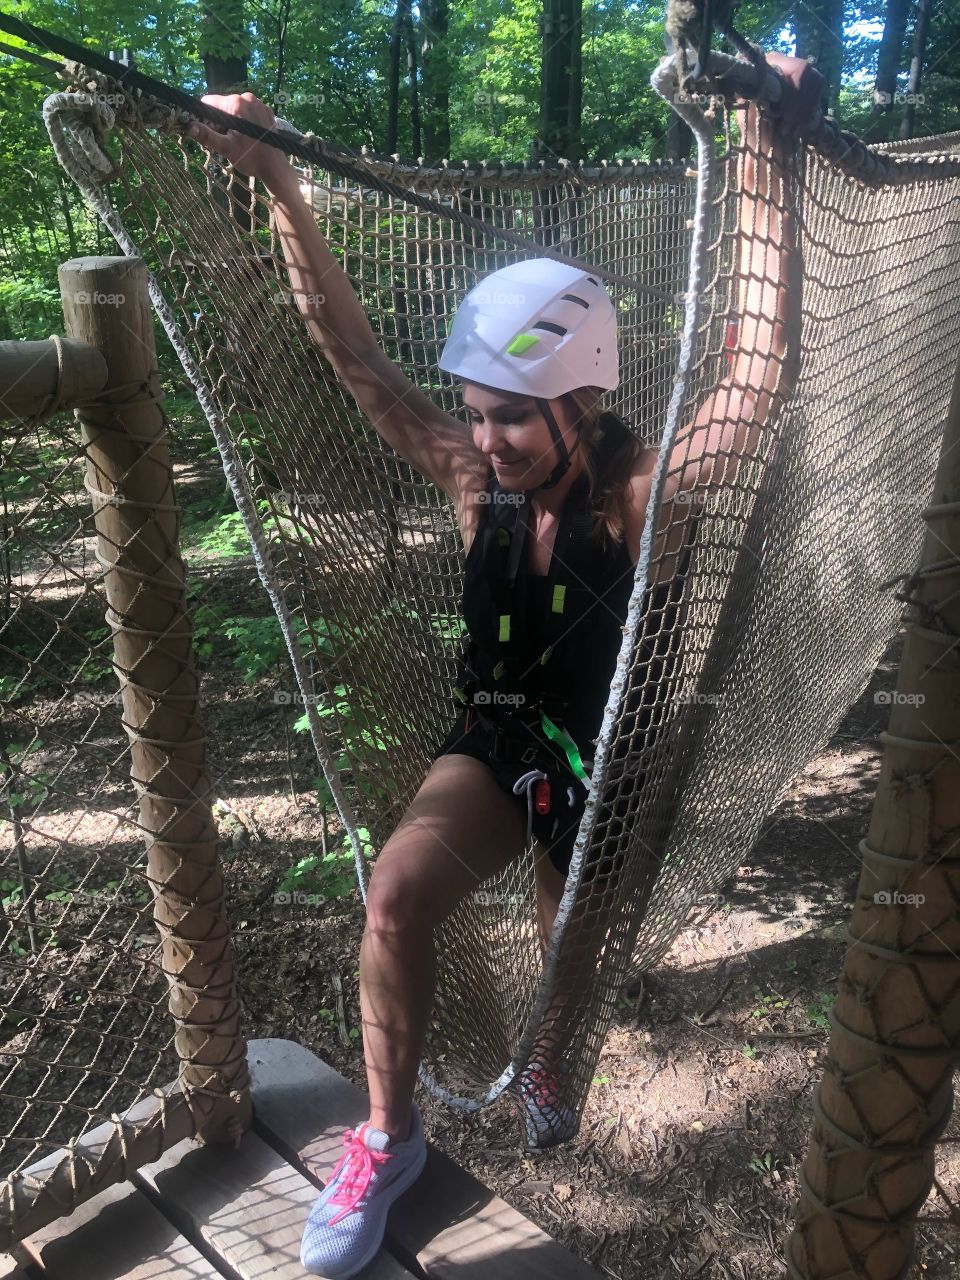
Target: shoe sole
{"type": "Point", "coordinates": [535, 1140]}
{"type": "Point", "coordinates": [390, 1193]}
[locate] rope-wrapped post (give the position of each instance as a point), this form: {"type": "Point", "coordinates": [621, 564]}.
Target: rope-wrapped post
{"type": "Point", "coordinates": [129, 477]}
{"type": "Point", "coordinates": [886, 1095]}
{"type": "Point", "coordinates": [41, 378]}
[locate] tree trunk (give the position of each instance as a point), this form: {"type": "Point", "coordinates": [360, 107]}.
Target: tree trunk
{"type": "Point", "coordinates": [561, 83]}
{"type": "Point", "coordinates": [283, 24]}
{"type": "Point", "coordinates": [888, 66]}
{"type": "Point", "coordinates": [68, 216]}
{"type": "Point", "coordinates": [561, 101]}
{"type": "Point", "coordinates": [435, 79]}
{"type": "Point", "coordinates": [916, 67]}
{"type": "Point", "coordinates": [393, 75]}
{"type": "Point", "coordinates": [679, 138]}
{"type": "Point", "coordinates": [223, 46]}
{"type": "Point", "coordinates": [818, 29]}
{"type": "Point", "coordinates": [417, 138]}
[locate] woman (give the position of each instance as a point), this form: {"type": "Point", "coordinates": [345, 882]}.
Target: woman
{"type": "Point", "coordinates": [539, 461]}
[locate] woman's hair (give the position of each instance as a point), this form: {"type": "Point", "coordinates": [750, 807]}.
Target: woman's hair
{"type": "Point", "coordinates": [610, 452]}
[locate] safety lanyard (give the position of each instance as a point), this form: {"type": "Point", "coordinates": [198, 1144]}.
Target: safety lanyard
{"type": "Point", "coordinates": [566, 744]}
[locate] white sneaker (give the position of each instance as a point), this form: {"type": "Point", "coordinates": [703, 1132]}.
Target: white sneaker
{"type": "Point", "coordinates": [346, 1224]}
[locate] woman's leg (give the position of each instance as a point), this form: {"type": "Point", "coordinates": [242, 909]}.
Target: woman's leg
{"type": "Point", "coordinates": [584, 935]}
{"type": "Point", "coordinates": [459, 830]}
{"type": "Point", "coordinates": [550, 885]}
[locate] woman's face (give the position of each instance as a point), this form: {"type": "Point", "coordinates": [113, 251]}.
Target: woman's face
{"type": "Point", "coordinates": [512, 432]}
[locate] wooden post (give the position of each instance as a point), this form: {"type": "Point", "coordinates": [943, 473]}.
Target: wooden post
{"type": "Point", "coordinates": [105, 303]}
{"type": "Point", "coordinates": [38, 378]}
{"type": "Point", "coordinates": [886, 1094]}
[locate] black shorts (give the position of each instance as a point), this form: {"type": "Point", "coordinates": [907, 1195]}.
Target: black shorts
{"type": "Point", "coordinates": [556, 831]}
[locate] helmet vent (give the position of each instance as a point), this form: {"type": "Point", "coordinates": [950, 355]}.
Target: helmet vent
{"type": "Point", "coordinates": [550, 327]}
{"type": "Point", "coordinates": [572, 297]}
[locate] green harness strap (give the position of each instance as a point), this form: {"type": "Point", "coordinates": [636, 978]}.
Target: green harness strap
{"type": "Point", "coordinates": [563, 739]}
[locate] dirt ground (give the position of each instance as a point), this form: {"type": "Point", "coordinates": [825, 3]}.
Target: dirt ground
{"type": "Point", "coordinates": [686, 1162]}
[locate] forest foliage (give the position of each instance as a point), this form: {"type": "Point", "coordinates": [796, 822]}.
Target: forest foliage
{"type": "Point", "coordinates": [328, 66]}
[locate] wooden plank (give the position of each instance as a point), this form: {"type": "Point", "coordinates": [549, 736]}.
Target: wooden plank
{"type": "Point", "coordinates": [9, 1269]}
{"type": "Point", "coordinates": [59, 1179]}
{"type": "Point", "coordinates": [452, 1224]}
{"type": "Point", "coordinates": [118, 1235]}
{"type": "Point", "coordinates": [247, 1204]}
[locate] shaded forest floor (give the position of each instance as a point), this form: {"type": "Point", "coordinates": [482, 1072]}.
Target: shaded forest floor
{"type": "Point", "coordinates": [686, 1163]}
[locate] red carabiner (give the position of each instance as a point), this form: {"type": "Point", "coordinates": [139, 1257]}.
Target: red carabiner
{"type": "Point", "coordinates": [731, 339]}
{"type": "Point", "coordinates": [541, 796]}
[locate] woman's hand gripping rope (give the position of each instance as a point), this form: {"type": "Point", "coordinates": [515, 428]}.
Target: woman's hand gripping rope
{"type": "Point", "coordinates": [255, 159]}
{"type": "Point", "coordinates": [802, 88]}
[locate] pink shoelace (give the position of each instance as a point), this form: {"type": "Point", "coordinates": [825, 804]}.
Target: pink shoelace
{"type": "Point", "coordinates": [542, 1086]}
{"type": "Point", "coordinates": [360, 1162]}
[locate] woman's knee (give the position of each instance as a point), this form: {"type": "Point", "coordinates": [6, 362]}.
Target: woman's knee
{"type": "Point", "coordinates": [417, 883]}
{"type": "Point", "coordinates": [459, 831]}
{"type": "Point", "coordinates": [397, 899]}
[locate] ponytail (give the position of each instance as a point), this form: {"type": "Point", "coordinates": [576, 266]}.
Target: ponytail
{"type": "Point", "coordinates": [610, 454]}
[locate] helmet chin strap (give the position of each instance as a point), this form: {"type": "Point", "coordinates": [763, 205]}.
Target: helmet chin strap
{"type": "Point", "coordinates": [563, 466]}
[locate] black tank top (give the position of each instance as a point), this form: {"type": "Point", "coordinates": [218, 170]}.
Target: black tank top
{"type": "Point", "coordinates": [582, 663]}
{"type": "Point", "coordinates": [590, 686]}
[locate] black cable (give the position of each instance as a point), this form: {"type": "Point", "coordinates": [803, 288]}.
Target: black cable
{"type": "Point", "coordinates": [705, 41]}
{"type": "Point", "coordinates": [27, 56]}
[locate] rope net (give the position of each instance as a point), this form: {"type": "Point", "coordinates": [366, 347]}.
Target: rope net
{"type": "Point", "coordinates": [87, 1032]}
{"type": "Point", "coordinates": [772, 629]}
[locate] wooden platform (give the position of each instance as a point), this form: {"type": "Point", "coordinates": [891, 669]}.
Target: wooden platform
{"type": "Point", "coordinates": [206, 1213]}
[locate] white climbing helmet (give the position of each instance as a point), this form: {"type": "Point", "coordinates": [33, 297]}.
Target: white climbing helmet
{"type": "Point", "coordinates": [538, 328]}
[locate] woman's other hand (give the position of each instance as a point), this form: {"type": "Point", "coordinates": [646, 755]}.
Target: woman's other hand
{"type": "Point", "coordinates": [803, 87]}
{"type": "Point", "coordinates": [256, 159]}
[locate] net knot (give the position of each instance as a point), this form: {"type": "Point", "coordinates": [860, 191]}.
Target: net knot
{"type": "Point", "coordinates": [78, 124]}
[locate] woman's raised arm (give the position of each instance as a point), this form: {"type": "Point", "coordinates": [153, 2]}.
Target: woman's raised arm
{"type": "Point", "coordinates": [436, 443]}
{"type": "Point", "coordinates": [731, 419]}
{"type": "Point", "coordinates": [730, 422]}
